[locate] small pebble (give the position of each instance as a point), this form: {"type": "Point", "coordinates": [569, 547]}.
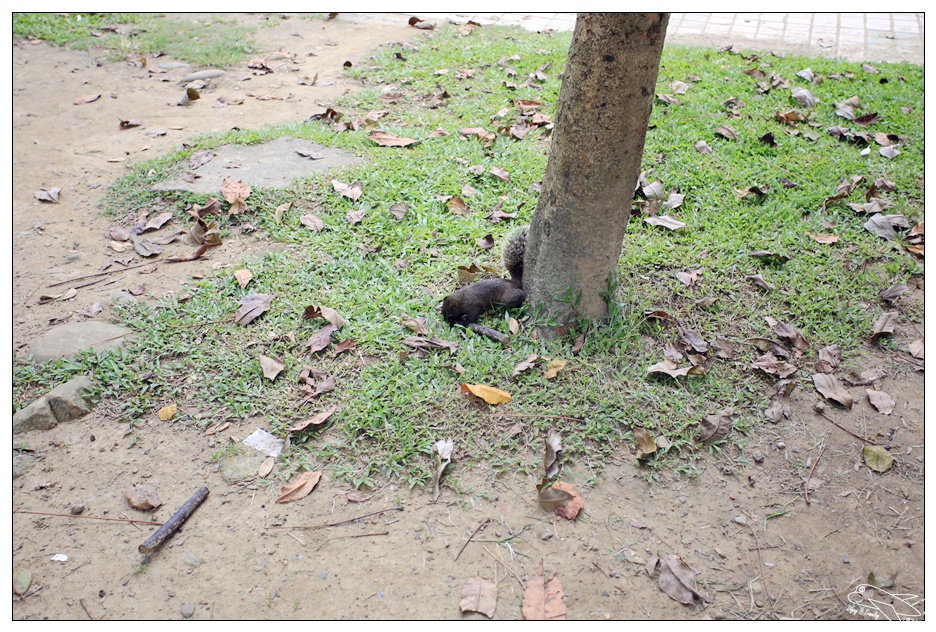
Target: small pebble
{"type": "Point", "coordinates": [188, 610]}
{"type": "Point", "coordinates": [758, 457]}
{"type": "Point", "coordinates": [546, 535]}
{"type": "Point", "coordinates": [740, 520]}
{"type": "Point", "coordinates": [781, 445]}
{"type": "Point", "coordinates": [77, 509]}
{"type": "Point", "coordinates": [845, 560]}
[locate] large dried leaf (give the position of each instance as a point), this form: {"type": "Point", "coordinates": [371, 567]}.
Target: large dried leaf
{"type": "Point", "coordinates": [252, 306]}
{"type": "Point", "coordinates": [643, 442]}
{"type": "Point", "coordinates": [916, 348]}
{"type": "Point", "coordinates": [500, 173]}
{"type": "Point", "coordinates": [351, 191]}
{"type": "Point", "coordinates": [321, 338]}
{"type": "Point", "coordinates": [271, 366]}
{"type": "Point", "coordinates": [881, 400]}
{"type": "Point", "coordinates": [882, 227]}
{"type": "Point", "coordinates": [524, 365]}
{"type": "Point", "coordinates": [192, 256]}
{"type": "Point", "coordinates": [311, 221]}
{"type": "Point", "coordinates": [884, 324]}
{"type": "Point", "coordinates": [167, 412]}
{"type": "Point", "coordinates": [301, 488]}
{"type": "Point", "coordinates": [417, 324]}
{"type": "Point", "coordinates": [434, 342]}
{"type": "Point", "coordinates": [243, 277]}
{"type": "Point", "coordinates": [386, 139]}
{"type": "Point", "coordinates": [542, 599]}
{"type": "Point", "coordinates": [443, 450]}
{"type": "Point", "coordinates": [891, 293]}
{"type": "Point", "coordinates": [829, 387]}
{"type": "Point", "coordinates": [665, 221]}
{"type": "Point", "coordinates": [232, 189]}
{"type": "Point", "coordinates": [791, 334]}
{"type": "Point", "coordinates": [488, 393]}
{"type": "Point", "coordinates": [479, 595]}
{"type": "Point", "coordinates": [571, 509]}
{"type": "Point", "coordinates": [691, 339]}
{"type": "Point", "coordinates": [831, 354]}
{"type": "Point", "coordinates": [877, 458]}
{"type": "Point", "coordinates": [769, 257]}
{"type": "Point", "coordinates": [676, 578]}
{"type": "Point", "coordinates": [157, 222]}
{"type": "Point", "coordinates": [769, 363]}
{"type": "Point", "coordinates": [670, 368]}
{"type": "Point", "coordinates": [553, 448]}
{"type": "Point", "coordinates": [715, 427]}
{"type": "Point", "coordinates": [552, 369]}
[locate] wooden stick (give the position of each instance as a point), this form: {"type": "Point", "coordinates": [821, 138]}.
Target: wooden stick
{"type": "Point", "coordinates": [809, 476]}
{"type": "Point", "coordinates": [834, 423]}
{"type": "Point", "coordinates": [486, 520]}
{"type": "Point", "coordinates": [88, 612]}
{"type": "Point", "coordinates": [42, 513]}
{"type": "Point", "coordinates": [356, 535]}
{"type": "Point", "coordinates": [91, 276]}
{"type": "Point", "coordinates": [493, 334]}
{"type": "Point", "coordinates": [336, 524]}
{"type": "Point", "coordinates": [173, 524]}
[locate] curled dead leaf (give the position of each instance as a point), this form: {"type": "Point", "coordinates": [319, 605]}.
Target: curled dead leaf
{"type": "Point", "coordinates": [301, 488]}
{"type": "Point", "coordinates": [488, 393]}
{"type": "Point", "coordinates": [644, 442]}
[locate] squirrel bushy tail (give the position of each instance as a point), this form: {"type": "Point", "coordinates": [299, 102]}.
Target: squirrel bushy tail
{"type": "Point", "coordinates": [465, 305]}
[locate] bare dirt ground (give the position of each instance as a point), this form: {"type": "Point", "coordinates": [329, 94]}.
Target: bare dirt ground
{"type": "Point", "coordinates": [758, 547]}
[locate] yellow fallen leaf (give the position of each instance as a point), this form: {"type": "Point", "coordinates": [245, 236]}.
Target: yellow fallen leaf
{"type": "Point", "coordinates": [167, 412]}
{"type": "Point", "coordinates": [488, 393]}
{"type": "Point", "coordinates": [553, 368]}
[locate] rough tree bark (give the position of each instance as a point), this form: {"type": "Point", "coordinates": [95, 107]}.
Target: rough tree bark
{"type": "Point", "coordinates": [594, 161]}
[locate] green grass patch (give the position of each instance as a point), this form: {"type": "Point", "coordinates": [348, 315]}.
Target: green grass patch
{"type": "Point", "coordinates": [392, 407]}
{"type": "Point", "coordinates": [214, 41]}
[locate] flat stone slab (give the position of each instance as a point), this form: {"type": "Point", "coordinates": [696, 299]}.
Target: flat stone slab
{"type": "Point", "coordinates": [70, 338]}
{"type": "Point", "coordinates": [274, 164]}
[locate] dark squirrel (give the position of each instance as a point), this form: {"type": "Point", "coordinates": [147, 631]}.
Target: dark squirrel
{"type": "Point", "coordinates": [465, 305]}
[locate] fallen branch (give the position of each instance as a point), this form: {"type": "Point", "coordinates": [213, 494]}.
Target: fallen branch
{"type": "Point", "coordinates": [172, 525]}
{"type": "Point", "coordinates": [493, 334]}
{"type": "Point", "coordinates": [97, 274]}
{"type": "Point", "coordinates": [834, 423]}
{"type": "Point", "coordinates": [43, 513]}
{"type": "Point", "coordinates": [480, 526]}
{"type": "Point", "coordinates": [356, 535]}
{"type": "Point", "coordinates": [812, 469]}
{"type": "Point", "coordinates": [336, 524]}
{"type": "Point", "coordinates": [87, 612]}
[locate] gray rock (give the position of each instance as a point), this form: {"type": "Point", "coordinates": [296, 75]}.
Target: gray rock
{"type": "Point", "coordinates": [188, 609]}
{"type": "Point", "coordinates": [77, 508]}
{"type": "Point", "coordinates": [22, 463]}
{"type": "Point", "coordinates": [36, 416]}
{"type": "Point", "coordinates": [122, 297]}
{"type": "Point", "coordinates": [274, 164]}
{"type": "Point", "coordinates": [240, 467]}
{"type": "Point", "coordinates": [71, 400]}
{"type": "Point", "coordinates": [70, 338]}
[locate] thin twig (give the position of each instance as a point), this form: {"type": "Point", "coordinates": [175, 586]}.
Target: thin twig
{"type": "Point", "coordinates": [761, 560]}
{"type": "Point", "coordinates": [836, 424]}
{"type": "Point", "coordinates": [480, 526]}
{"type": "Point", "coordinates": [336, 524]}
{"type": "Point", "coordinates": [812, 469]}
{"type": "Point", "coordinates": [506, 568]}
{"type": "Point", "coordinates": [88, 612]}
{"type": "Point", "coordinates": [97, 274]}
{"type": "Point", "coordinates": [43, 513]}
{"type": "Point", "coordinates": [537, 415]}
{"type": "Point", "coordinates": [357, 535]}
{"type": "Point", "coordinates": [216, 322]}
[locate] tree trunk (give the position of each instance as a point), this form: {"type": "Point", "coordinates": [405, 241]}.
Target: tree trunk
{"type": "Point", "coordinates": [594, 161]}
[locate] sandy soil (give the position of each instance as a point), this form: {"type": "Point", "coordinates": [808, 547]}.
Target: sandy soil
{"type": "Point", "coordinates": [758, 547]}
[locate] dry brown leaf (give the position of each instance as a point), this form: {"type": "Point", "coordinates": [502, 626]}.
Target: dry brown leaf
{"type": "Point", "coordinates": [670, 368]}
{"type": "Point", "coordinates": [824, 238]}
{"type": "Point", "coordinates": [571, 509]}
{"type": "Point", "coordinates": [315, 420]}
{"type": "Point", "coordinates": [417, 324]}
{"type": "Point", "coordinates": [89, 98]}
{"type": "Point", "coordinates": [243, 277]}
{"type": "Point", "coordinates": [399, 210]}
{"type": "Point", "coordinates": [769, 363]}
{"type": "Point", "coordinates": [167, 412]}
{"type": "Point", "coordinates": [488, 393]}
{"type": "Point", "coordinates": [252, 306]}
{"type": "Point", "coordinates": [524, 365]}
{"type": "Point", "coordinates": [884, 324]}
{"type": "Point", "coordinates": [916, 348]}
{"type": "Point", "coordinates": [271, 366]}
{"type": "Point", "coordinates": [351, 191]}
{"type": "Point", "coordinates": [676, 578]}
{"type": "Point", "coordinates": [665, 221]}
{"type": "Point", "coordinates": [500, 173]}
{"type": "Point", "coordinates": [301, 488]}
{"type": "Point", "coordinates": [829, 387]}
{"type": "Point", "coordinates": [552, 369]}
{"type": "Point", "coordinates": [266, 467]}
{"type": "Point", "coordinates": [882, 401]}
{"type": "Point", "coordinates": [542, 600]}
{"type": "Point", "coordinates": [479, 595]}
{"type": "Point", "coordinates": [386, 139]}
{"type": "Point", "coordinates": [553, 448]}
{"type": "Point", "coordinates": [715, 427]}
{"type": "Point", "coordinates": [232, 190]}
{"type": "Point", "coordinates": [443, 450]}
{"type": "Point", "coordinates": [644, 442]}
{"type": "Point", "coordinates": [321, 338]}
